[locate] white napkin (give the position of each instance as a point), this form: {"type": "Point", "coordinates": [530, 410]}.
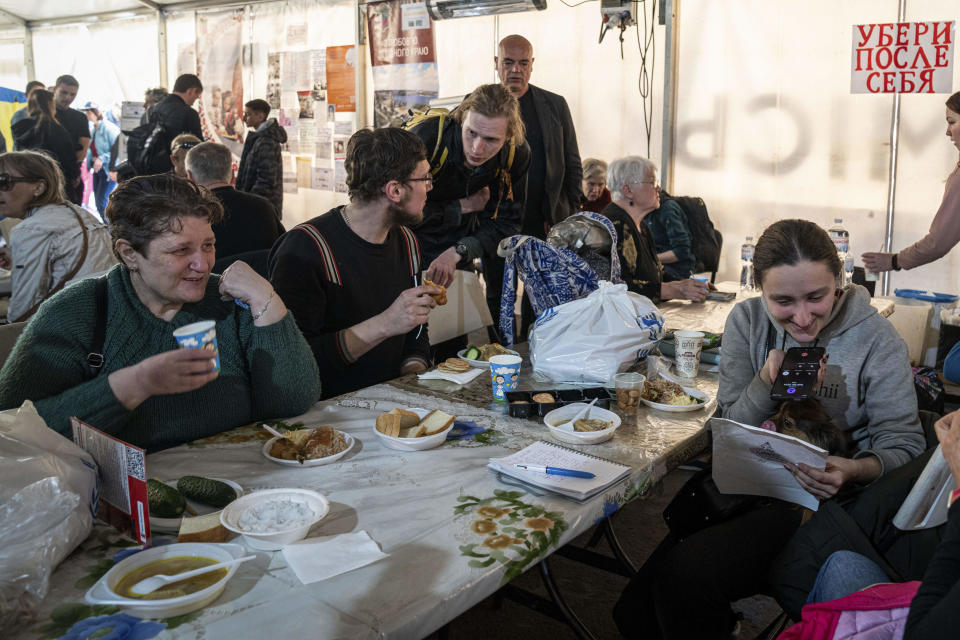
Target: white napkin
{"type": "Point", "coordinates": [459, 378]}
{"type": "Point", "coordinates": [315, 559]}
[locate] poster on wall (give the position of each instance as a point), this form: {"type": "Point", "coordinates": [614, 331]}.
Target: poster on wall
{"type": "Point", "coordinates": [220, 65]}
{"type": "Point", "coordinates": [341, 78]}
{"type": "Point", "coordinates": [186, 58]}
{"type": "Point", "coordinates": [403, 57]}
{"type": "Point", "coordinates": [902, 57]}
{"type": "Point", "coordinates": [273, 80]}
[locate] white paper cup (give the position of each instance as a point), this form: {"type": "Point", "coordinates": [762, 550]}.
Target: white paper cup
{"type": "Point", "coordinates": [200, 335]}
{"type": "Point", "coordinates": [687, 345]}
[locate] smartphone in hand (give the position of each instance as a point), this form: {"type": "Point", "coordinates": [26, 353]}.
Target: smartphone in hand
{"type": "Point", "coordinates": [797, 379]}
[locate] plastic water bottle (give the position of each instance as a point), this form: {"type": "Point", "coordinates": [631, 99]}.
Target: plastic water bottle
{"type": "Point", "coordinates": [746, 265]}
{"type": "Point", "coordinates": [841, 240]}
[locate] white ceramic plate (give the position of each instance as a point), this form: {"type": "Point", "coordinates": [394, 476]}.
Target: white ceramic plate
{"type": "Point", "coordinates": [102, 591]}
{"type": "Point", "coordinates": [315, 462]}
{"type": "Point", "coordinates": [414, 444]}
{"type": "Point", "coordinates": [678, 408]}
{"type": "Point", "coordinates": [172, 525]}
{"type": "Point", "coordinates": [481, 364]}
{"type": "Point", "coordinates": [274, 540]}
{"type": "Point", "coordinates": [580, 437]}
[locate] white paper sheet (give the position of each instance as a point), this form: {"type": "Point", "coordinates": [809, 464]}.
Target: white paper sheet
{"type": "Point", "coordinates": [750, 460]}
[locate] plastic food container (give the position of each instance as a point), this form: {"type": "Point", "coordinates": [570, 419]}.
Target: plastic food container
{"type": "Point", "coordinates": [580, 437]}
{"type": "Point", "coordinates": [102, 592]}
{"type": "Point", "coordinates": [520, 404]}
{"type": "Point", "coordinates": [274, 540]}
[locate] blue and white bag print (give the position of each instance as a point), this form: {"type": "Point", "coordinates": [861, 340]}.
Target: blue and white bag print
{"type": "Point", "coordinates": [593, 338]}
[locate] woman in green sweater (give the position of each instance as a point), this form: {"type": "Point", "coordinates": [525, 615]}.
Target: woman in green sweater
{"type": "Point", "coordinates": [148, 392]}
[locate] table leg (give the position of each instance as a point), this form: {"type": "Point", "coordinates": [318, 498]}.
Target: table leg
{"type": "Point", "coordinates": [578, 627]}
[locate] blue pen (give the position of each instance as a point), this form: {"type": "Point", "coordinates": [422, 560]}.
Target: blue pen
{"type": "Point", "coordinates": [556, 471]}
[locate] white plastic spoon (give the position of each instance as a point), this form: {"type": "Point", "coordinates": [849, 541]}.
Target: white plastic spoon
{"type": "Point", "coordinates": [272, 430]}
{"type": "Point", "coordinates": [568, 426]}
{"type": "Point", "coordinates": [151, 584]}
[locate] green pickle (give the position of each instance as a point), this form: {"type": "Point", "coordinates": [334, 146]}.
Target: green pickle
{"type": "Point", "coordinates": [206, 491]}
{"type": "Point", "coordinates": [164, 500]}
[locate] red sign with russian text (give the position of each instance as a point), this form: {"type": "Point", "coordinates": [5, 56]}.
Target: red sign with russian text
{"type": "Point", "coordinates": [903, 57]}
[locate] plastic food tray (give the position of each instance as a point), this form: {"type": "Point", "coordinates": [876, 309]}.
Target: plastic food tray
{"type": "Point", "coordinates": [527, 408]}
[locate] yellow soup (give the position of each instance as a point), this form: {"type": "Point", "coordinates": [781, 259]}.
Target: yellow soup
{"type": "Point", "coordinates": [171, 567]}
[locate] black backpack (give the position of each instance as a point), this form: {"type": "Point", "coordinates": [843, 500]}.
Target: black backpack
{"type": "Point", "coordinates": [706, 240]}
{"type": "Point", "coordinates": [148, 146]}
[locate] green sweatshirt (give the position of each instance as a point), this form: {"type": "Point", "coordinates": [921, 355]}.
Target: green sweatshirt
{"type": "Point", "coordinates": [265, 372]}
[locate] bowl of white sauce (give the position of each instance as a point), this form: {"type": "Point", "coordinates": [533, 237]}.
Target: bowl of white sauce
{"type": "Point", "coordinates": [272, 518]}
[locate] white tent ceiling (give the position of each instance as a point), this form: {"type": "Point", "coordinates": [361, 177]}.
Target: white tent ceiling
{"type": "Point", "coordinates": [35, 13]}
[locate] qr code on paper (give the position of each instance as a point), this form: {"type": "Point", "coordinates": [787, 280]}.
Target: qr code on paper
{"type": "Point", "coordinates": [135, 465]}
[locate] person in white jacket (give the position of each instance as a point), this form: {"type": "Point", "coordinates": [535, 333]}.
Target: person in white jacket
{"type": "Point", "coordinates": [56, 241]}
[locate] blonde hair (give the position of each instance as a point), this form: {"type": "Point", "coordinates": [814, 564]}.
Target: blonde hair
{"type": "Point", "coordinates": [594, 168]}
{"type": "Point", "coordinates": [40, 166]}
{"type": "Point", "coordinates": [494, 101]}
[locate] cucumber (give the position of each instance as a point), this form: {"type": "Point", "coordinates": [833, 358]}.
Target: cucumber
{"type": "Point", "coordinates": [164, 500]}
{"type": "Point", "coordinates": [472, 353]}
{"type": "Point", "coordinates": [206, 491]}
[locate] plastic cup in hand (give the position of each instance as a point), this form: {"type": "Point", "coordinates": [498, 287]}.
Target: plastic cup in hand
{"type": "Point", "coordinates": [628, 386]}
{"type": "Point", "coordinates": [687, 345]}
{"type": "Point", "coordinates": [200, 335]}
{"type": "Point", "coordinates": [505, 374]}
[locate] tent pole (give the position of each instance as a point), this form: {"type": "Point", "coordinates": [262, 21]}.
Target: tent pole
{"type": "Point", "coordinates": [892, 176]}
{"type": "Point", "coordinates": [162, 46]}
{"type": "Point", "coordinates": [669, 13]}
{"type": "Point", "coordinates": [28, 53]}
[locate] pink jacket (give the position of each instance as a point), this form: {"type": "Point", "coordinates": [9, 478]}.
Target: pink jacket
{"type": "Point", "coordinates": [875, 613]}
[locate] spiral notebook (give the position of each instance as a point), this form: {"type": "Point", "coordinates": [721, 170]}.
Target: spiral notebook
{"type": "Point", "coordinates": [550, 455]}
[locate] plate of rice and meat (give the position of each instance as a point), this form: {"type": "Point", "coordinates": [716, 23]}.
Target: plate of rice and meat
{"type": "Point", "coordinates": [308, 447]}
{"type": "Point", "coordinates": [669, 396]}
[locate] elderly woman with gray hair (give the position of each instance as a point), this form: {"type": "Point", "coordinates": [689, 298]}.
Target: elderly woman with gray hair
{"type": "Point", "coordinates": [635, 191]}
{"type": "Point", "coordinates": [595, 196]}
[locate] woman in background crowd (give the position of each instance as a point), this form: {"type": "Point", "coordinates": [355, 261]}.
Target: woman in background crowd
{"type": "Point", "coordinates": [635, 191]}
{"type": "Point", "coordinates": [148, 391]}
{"type": "Point", "coordinates": [102, 154]}
{"type": "Point", "coordinates": [945, 229]}
{"type": "Point", "coordinates": [596, 196]}
{"type": "Point", "coordinates": [56, 241]}
{"type": "Point", "coordinates": [42, 132]}
{"type": "Point", "coordinates": [179, 147]}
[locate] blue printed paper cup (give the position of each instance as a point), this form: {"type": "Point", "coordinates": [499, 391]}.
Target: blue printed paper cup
{"type": "Point", "coordinates": [200, 335]}
{"type": "Point", "coordinates": [505, 374]}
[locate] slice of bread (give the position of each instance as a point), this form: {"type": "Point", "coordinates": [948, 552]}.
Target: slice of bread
{"type": "Point", "coordinates": [389, 424]}
{"type": "Point", "coordinates": [203, 529]}
{"type": "Point", "coordinates": [413, 432]}
{"type": "Point", "coordinates": [407, 418]}
{"type": "Point", "coordinates": [436, 421]}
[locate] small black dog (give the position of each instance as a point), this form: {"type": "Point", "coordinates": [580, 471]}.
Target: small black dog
{"type": "Point", "coordinates": [809, 421]}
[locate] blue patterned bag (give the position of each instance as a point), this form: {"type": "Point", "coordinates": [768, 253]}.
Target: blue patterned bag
{"type": "Point", "coordinates": [551, 276]}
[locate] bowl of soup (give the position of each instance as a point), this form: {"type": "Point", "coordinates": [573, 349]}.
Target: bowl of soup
{"type": "Point", "coordinates": [173, 599]}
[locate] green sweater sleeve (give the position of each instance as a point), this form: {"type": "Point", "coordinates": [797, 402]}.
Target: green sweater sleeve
{"type": "Point", "coordinates": [48, 366]}
{"type": "Point", "coordinates": [284, 378]}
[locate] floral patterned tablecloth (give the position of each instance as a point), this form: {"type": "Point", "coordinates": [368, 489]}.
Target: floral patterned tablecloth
{"type": "Point", "coordinates": [454, 531]}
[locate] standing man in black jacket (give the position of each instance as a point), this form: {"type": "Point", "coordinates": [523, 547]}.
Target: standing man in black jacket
{"type": "Point", "coordinates": [479, 167]}
{"type": "Point", "coordinates": [261, 168]}
{"type": "Point", "coordinates": [75, 122]}
{"type": "Point", "coordinates": [176, 110]}
{"type": "Point", "coordinates": [554, 181]}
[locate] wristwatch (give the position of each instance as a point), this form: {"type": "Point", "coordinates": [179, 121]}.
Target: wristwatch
{"type": "Point", "coordinates": [461, 249]}
{"type": "Point", "coordinates": [894, 262]}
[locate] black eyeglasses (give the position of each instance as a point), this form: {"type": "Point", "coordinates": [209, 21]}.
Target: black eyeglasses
{"type": "Point", "coordinates": [7, 181]}
{"type": "Point", "coordinates": [427, 178]}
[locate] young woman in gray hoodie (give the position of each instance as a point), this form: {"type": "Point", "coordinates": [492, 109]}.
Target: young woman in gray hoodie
{"type": "Point", "coordinates": [866, 385]}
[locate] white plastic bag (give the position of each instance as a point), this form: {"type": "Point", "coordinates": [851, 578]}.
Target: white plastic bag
{"type": "Point", "coordinates": [592, 338]}
{"type": "Point", "coordinates": [48, 499]}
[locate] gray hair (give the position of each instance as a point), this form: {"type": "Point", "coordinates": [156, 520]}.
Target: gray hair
{"type": "Point", "coordinates": [628, 170]}
{"type": "Point", "coordinates": [210, 162]}
{"type": "Point", "coordinates": [594, 168]}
